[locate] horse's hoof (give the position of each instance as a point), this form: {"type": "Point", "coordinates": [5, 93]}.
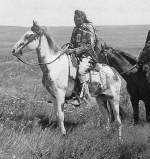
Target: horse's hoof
{"type": "Point", "coordinates": [63, 134]}
{"type": "Point", "coordinates": [76, 103]}
{"type": "Point", "coordinates": [120, 139]}
{"type": "Point", "coordinates": [148, 120]}
{"type": "Point", "coordinates": [49, 101]}
{"type": "Point", "coordinates": [136, 123]}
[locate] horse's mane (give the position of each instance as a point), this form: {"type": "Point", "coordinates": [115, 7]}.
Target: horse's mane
{"type": "Point", "coordinates": [42, 30]}
{"type": "Point", "coordinates": [122, 55]}
{"type": "Point", "coordinates": [50, 40]}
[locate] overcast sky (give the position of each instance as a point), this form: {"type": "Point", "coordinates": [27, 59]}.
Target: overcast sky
{"type": "Point", "coordinates": [61, 12]}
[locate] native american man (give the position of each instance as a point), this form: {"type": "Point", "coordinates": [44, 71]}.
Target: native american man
{"type": "Point", "coordinates": [85, 41]}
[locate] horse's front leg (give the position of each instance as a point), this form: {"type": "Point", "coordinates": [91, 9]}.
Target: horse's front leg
{"type": "Point", "coordinates": [60, 98]}
{"type": "Point", "coordinates": [58, 103]}
{"type": "Point", "coordinates": [147, 109]}
{"type": "Point", "coordinates": [135, 106]}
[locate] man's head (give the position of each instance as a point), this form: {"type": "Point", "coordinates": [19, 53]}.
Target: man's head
{"type": "Point", "coordinates": [79, 18]}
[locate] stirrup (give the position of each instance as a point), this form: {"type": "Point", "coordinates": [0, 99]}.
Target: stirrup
{"type": "Point", "coordinates": [77, 102]}
{"type": "Point", "coordinates": [80, 99]}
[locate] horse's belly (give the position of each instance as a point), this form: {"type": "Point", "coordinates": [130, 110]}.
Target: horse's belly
{"type": "Point", "coordinates": [70, 88]}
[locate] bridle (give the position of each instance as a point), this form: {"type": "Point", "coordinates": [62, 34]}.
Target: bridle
{"type": "Point", "coordinates": [39, 35]}
{"type": "Point", "coordinates": [105, 55]}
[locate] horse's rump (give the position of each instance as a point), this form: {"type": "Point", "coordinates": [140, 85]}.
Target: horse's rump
{"type": "Point", "coordinates": [102, 82]}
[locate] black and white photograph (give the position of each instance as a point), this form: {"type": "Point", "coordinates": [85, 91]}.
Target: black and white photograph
{"type": "Point", "coordinates": [74, 79]}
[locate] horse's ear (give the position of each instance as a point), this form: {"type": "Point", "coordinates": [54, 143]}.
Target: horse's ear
{"type": "Point", "coordinates": [45, 28]}
{"type": "Point", "coordinates": [105, 45]}
{"type": "Point", "coordinates": [34, 23]}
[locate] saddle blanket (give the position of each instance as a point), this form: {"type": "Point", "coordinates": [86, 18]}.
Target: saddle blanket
{"type": "Point", "coordinates": [96, 79]}
{"type": "Point", "coordinates": [72, 67]}
{"type": "Point", "coordinates": [98, 82]}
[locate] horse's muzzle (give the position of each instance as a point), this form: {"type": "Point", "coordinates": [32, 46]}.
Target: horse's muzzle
{"type": "Point", "coordinates": [140, 63]}
{"type": "Point", "coordinates": [13, 52]}
{"type": "Point", "coordinates": [19, 53]}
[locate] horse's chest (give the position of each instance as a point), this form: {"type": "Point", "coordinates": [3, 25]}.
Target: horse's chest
{"type": "Point", "coordinates": [55, 79]}
{"type": "Point", "coordinates": [47, 81]}
{"type": "Point", "coordinates": [138, 88]}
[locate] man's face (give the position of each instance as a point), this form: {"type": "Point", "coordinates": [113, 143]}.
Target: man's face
{"type": "Point", "coordinates": [78, 20]}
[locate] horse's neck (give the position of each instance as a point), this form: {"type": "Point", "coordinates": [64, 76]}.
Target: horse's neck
{"type": "Point", "coordinates": [45, 53]}
{"type": "Point", "coordinates": [121, 64]}
{"type": "Point", "coordinates": [132, 60]}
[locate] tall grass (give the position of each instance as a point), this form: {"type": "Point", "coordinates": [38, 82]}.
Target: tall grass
{"type": "Point", "coordinates": [28, 127]}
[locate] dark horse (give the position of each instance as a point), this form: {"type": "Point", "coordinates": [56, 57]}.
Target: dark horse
{"type": "Point", "coordinates": [138, 86]}
{"type": "Point", "coordinates": [144, 56]}
{"type": "Point", "coordinates": [143, 60]}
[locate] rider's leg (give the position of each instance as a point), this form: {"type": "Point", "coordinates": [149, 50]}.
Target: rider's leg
{"type": "Point", "coordinates": [82, 75]}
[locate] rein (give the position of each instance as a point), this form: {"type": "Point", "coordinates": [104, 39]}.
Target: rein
{"type": "Point", "coordinates": [36, 64]}
{"type": "Point", "coordinates": [135, 66]}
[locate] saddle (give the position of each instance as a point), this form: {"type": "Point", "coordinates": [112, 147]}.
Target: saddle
{"type": "Point", "coordinates": [73, 66]}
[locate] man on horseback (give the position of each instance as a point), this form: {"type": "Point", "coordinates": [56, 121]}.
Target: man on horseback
{"type": "Point", "coordinates": [85, 46]}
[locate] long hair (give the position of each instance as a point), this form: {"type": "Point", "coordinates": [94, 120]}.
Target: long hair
{"type": "Point", "coordinates": [50, 40]}
{"type": "Point", "coordinates": [82, 15]}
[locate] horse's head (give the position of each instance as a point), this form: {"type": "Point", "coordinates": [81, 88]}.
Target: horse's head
{"type": "Point", "coordinates": [29, 41]}
{"type": "Point", "coordinates": [121, 61]}
{"type": "Point", "coordinates": [144, 56]}
{"type": "Point", "coordinates": [105, 53]}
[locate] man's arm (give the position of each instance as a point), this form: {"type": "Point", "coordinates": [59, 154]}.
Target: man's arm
{"type": "Point", "coordinates": [73, 37]}
{"type": "Point", "coordinates": [90, 34]}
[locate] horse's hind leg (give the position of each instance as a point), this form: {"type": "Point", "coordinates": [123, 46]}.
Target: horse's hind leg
{"type": "Point", "coordinates": [115, 106]}
{"type": "Point", "coordinates": [102, 103]}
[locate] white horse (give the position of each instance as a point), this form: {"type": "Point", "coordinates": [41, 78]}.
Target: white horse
{"type": "Point", "coordinates": [54, 64]}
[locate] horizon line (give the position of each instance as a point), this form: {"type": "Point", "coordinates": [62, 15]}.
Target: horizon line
{"type": "Point", "coordinates": [74, 26]}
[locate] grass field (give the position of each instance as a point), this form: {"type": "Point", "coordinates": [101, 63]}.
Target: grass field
{"type": "Point", "coordinates": [28, 128]}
